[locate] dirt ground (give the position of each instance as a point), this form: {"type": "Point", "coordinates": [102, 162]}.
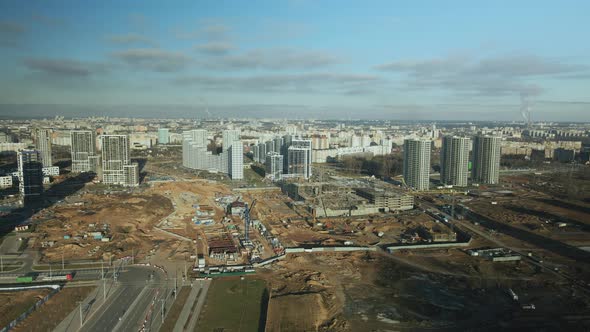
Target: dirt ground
{"type": "Point", "coordinates": [295, 229]}
{"type": "Point", "coordinates": [49, 315]}
{"type": "Point", "coordinates": [185, 194]}
{"type": "Point", "coordinates": [13, 304]}
{"type": "Point", "coordinates": [127, 219]}
{"type": "Point", "coordinates": [363, 292]}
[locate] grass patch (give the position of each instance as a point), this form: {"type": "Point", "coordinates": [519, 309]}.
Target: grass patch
{"type": "Point", "coordinates": [235, 305]}
{"type": "Point", "coordinates": [176, 309]}
{"type": "Point", "coordinates": [253, 178]}
{"type": "Point", "coordinates": [59, 306]}
{"type": "Point", "coordinates": [13, 304]}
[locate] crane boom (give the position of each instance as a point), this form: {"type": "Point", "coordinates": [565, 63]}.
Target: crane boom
{"type": "Point", "coordinates": [247, 210]}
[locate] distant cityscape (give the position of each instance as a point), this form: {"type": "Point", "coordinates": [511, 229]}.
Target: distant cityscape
{"type": "Point", "coordinates": [204, 206]}
{"type": "Point", "coordinates": [104, 146]}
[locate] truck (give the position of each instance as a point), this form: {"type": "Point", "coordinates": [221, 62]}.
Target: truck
{"type": "Point", "coordinates": [61, 277]}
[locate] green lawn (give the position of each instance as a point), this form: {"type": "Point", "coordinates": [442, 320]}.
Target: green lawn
{"type": "Point", "coordinates": [234, 305]}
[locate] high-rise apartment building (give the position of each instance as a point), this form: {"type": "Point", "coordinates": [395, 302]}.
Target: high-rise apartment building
{"type": "Point", "coordinates": [229, 137]}
{"type": "Point", "coordinates": [287, 139]}
{"type": "Point", "coordinates": [196, 156]}
{"type": "Point", "coordinates": [299, 158]}
{"type": "Point", "coordinates": [116, 161]}
{"type": "Point", "coordinates": [163, 136]}
{"type": "Point", "coordinates": [131, 175]}
{"type": "Point", "coordinates": [255, 153]}
{"type": "Point", "coordinates": [42, 139]}
{"type": "Point", "coordinates": [274, 166]}
{"type": "Point", "coordinates": [486, 159]}
{"type": "Point", "coordinates": [262, 152]}
{"type": "Point", "coordinates": [84, 157]}
{"type": "Point", "coordinates": [417, 163]}
{"type": "Point", "coordinates": [278, 144]}
{"type": "Point", "coordinates": [235, 161]}
{"type": "Point", "coordinates": [270, 146]}
{"type": "Point", "coordinates": [454, 161]}
{"type": "Point", "coordinates": [30, 171]}
{"type": "Point", "coordinates": [233, 152]}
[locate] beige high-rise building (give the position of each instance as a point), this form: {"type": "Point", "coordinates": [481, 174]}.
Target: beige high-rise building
{"type": "Point", "coordinates": [42, 139]}
{"type": "Point", "coordinates": [454, 161]}
{"type": "Point", "coordinates": [417, 163]}
{"type": "Point", "coordinates": [117, 168]}
{"type": "Point", "coordinates": [84, 158]}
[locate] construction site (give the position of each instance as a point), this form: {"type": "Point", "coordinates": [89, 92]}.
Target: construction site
{"type": "Point", "coordinates": [348, 253]}
{"type": "Point", "coordinates": [91, 227]}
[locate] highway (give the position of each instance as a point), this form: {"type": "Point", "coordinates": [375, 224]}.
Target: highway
{"type": "Point", "coordinates": [126, 309]}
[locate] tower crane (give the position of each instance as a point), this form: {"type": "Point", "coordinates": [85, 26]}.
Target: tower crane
{"type": "Point", "coordinates": [247, 210]}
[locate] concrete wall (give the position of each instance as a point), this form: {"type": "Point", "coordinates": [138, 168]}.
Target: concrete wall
{"type": "Point", "coordinates": [328, 249]}
{"type": "Point", "coordinates": [429, 246]}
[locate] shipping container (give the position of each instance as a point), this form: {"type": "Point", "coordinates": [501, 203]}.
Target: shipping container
{"type": "Point", "coordinates": [24, 279]}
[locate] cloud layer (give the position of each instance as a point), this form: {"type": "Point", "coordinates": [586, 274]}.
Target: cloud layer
{"type": "Point", "coordinates": [63, 67]}
{"type": "Point", "coordinates": [153, 59]}
{"type": "Point", "coordinates": [11, 33]}
{"type": "Point", "coordinates": [131, 39]}
{"type": "Point", "coordinates": [309, 83]}
{"type": "Point", "coordinates": [273, 59]}
{"type": "Point", "coordinates": [498, 76]}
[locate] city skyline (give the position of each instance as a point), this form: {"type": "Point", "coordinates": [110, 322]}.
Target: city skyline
{"type": "Point", "coordinates": [294, 165]}
{"type": "Point", "coordinates": [425, 61]}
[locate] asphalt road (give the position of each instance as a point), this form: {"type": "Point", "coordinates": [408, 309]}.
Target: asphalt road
{"type": "Point", "coordinates": [126, 309]}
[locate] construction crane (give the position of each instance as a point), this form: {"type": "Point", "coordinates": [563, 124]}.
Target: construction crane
{"type": "Point", "coordinates": [247, 210]}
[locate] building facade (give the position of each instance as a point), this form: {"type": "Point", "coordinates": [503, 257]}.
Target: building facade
{"type": "Point", "coordinates": [116, 161]}
{"type": "Point", "coordinates": [229, 137]}
{"type": "Point", "coordinates": [299, 158]}
{"type": "Point", "coordinates": [196, 156]}
{"type": "Point", "coordinates": [42, 139]}
{"type": "Point", "coordinates": [417, 163]}
{"type": "Point", "coordinates": [274, 166]}
{"type": "Point", "coordinates": [84, 157]}
{"type": "Point", "coordinates": [235, 161]}
{"type": "Point", "coordinates": [163, 136]}
{"type": "Point", "coordinates": [30, 172]}
{"type": "Point", "coordinates": [486, 159]}
{"type": "Point", "coordinates": [454, 161]}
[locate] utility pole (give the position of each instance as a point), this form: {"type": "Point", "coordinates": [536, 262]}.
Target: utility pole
{"type": "Point", "coordinates": [175, 282]}
{"type": "Point", "coordinates": [62, 259]}
{"type": "Point", "coordinates": [162, 301]}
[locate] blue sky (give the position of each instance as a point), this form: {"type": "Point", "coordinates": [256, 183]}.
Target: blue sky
{"type": "Point", "coordinates": [384, 59]}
